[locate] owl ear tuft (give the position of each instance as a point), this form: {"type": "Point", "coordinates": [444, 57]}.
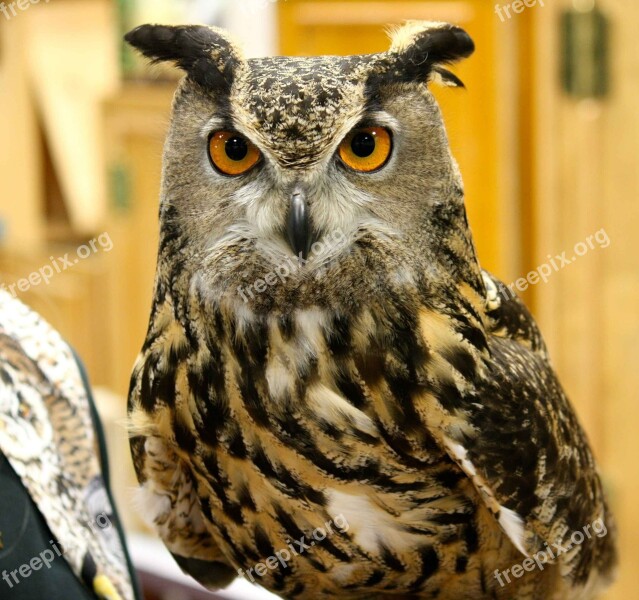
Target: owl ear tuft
{"type": "Point", "coordinates": [421, 47]}
{"type": "Point", "coordinates": [205, 53]}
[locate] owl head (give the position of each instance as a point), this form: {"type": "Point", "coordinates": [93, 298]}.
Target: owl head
{"type": "Point", "coordinates": [296, 182]}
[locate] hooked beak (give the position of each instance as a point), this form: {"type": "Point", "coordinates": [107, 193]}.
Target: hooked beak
{"type": "Point", "coordinates": [298, 224]}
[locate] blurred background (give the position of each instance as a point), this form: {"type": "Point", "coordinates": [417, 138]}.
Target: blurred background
{"type": "Point", "coordinates": [547, 136]}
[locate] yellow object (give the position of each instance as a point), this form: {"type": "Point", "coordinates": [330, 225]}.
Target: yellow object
{"type": "Point", "coordinates": [103, 587]}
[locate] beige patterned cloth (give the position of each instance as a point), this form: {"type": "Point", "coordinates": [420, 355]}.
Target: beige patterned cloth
{"type": "Point", "coordinates": [47, 434]}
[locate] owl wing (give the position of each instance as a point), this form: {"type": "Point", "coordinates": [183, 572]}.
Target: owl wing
{"type": "Point", "coordinates": [167, 495]}
{"type": "Point", "coordinates": [515, 434]}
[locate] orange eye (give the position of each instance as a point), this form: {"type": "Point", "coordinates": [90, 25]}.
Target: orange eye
{"type": "Point", "coordinates": [232, 154]}
{"type": "Point", "coordinates": [367, 149]}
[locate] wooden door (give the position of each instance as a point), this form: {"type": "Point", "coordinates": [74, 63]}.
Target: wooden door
{"type": "Point", "coordinates": [586, 170]}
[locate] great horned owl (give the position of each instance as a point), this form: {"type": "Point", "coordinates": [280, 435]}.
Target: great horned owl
{"type": "Point", "coordinates": [327, 362]}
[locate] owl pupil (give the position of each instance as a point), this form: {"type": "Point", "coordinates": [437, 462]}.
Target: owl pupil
{"type": "Point", "coordinates": [236, 148]}
{"type": "Point", "coordinates": [363, 145]}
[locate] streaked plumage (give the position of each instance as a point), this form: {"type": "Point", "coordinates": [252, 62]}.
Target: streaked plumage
{"type": "Point", "coordinates": [387, 379]}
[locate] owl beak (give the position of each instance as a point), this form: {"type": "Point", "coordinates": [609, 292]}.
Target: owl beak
{"type": "Point", "coordinates": [298, 224]}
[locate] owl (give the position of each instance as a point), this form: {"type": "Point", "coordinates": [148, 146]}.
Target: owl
{"type": "Point", "coordinates": [333, 399]}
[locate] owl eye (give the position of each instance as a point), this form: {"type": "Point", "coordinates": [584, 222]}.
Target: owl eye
{"type": "Point", "coordinates": [232, 154]}
{"type": "Point", "coordinates": [366, 150]}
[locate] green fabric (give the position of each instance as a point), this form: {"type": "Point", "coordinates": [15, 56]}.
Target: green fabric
{"type": "Point", "coordinates": [25, 536]}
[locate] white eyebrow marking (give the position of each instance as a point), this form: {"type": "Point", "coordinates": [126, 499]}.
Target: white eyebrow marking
{"type": "Point", "coordinates": [213, 124]}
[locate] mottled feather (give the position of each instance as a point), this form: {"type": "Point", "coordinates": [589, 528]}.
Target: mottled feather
{"type": "Point", "coordinates": [385, 382]}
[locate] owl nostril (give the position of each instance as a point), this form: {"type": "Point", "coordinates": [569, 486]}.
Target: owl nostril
{"type": "Point", "coordinates": [298, 224]}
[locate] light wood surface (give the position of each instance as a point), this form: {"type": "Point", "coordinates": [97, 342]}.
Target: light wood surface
{"type": "Point", "coordinates": [21, 214]}
{"type": "Point", "coordinates": [587, 175]}
{"type": "Point", "coordinates": [73, 300]}
{"type": "Point", "coordinates": [135, 125]}
{"type": "Point", "coordinates": [72, 65]}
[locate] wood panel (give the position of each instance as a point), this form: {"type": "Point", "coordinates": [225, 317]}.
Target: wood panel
{"type": "Point", "coordinates": [21, 211]}
{"type": "Point", "coordinates": [73, 301]}
{"type": "Point", "coordinates": [588, 180]}
{"type": "Point", "coordinates": [480, 127]}
{"type": "Point", "coordinates": [136, 121]}
{"type": "Point", "coordinates": [72, 52]}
